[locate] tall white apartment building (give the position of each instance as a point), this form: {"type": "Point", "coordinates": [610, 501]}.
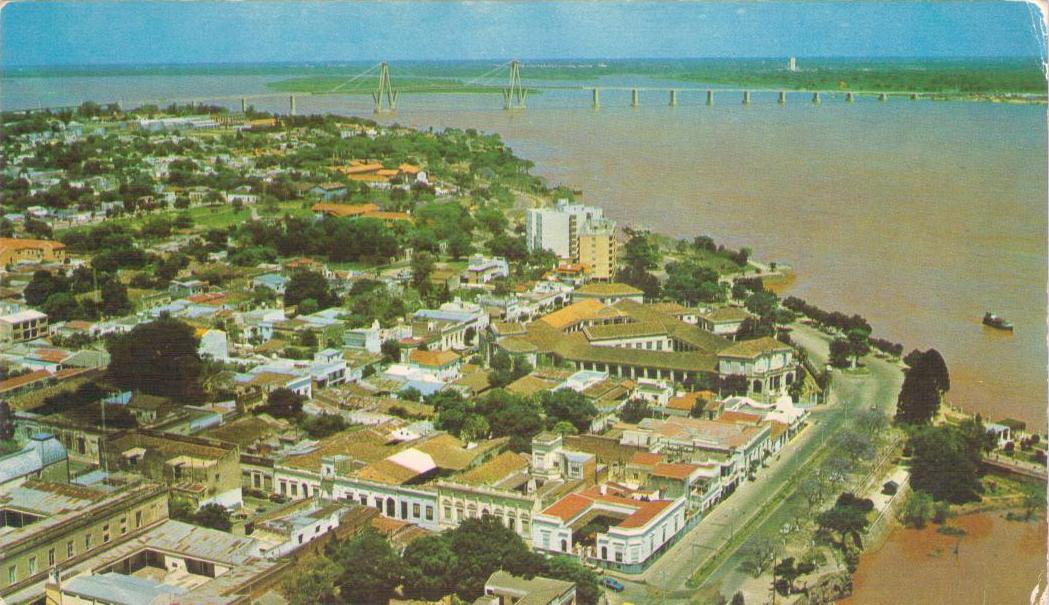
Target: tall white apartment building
{"type": "Point", "coordinates": [557, 229]}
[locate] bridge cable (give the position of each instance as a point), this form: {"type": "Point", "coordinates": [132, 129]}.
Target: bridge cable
{"type": "Point", "coordinates": [357, 77]}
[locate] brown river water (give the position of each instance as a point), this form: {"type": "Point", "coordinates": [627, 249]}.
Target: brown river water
{"type": "Point", "coordinates": [998, 562]}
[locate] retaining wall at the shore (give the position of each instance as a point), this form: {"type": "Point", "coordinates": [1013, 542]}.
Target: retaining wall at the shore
{"type": "Point", "coordinates": [879, 529]}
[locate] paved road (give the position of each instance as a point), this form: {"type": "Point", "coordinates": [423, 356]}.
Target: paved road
{"type": "Point", "coordinates": [877, 388]}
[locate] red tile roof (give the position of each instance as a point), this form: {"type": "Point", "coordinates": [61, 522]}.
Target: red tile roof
{"type": "Point", "coordinates": [568, 507]}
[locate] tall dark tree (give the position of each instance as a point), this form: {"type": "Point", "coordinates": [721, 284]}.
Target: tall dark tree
{"type": "Point", "coordinates": [115, 301]}
{"type": "Point", "coordinates": [7, 421]}
{"type": "Point", "coordinates": [923, 388]}
{"type": "Point", "coordinates": [159, 358]}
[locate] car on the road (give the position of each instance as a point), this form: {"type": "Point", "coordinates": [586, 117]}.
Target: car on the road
{"type": "Point", "coordinates": [612, 584]}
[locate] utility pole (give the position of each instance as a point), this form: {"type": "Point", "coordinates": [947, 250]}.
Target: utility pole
{"type": "Point", "coordinates": [514, 95]}
{"type": "Point", "coordinates": [385, 91]}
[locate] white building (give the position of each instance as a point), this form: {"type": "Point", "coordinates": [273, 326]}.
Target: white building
{"type": "Point", "coordinates": [768, 365]}
{"type": "Point", "coordinates": [557, 229]}
{"type": "Point", "coordinates": [646, 527]}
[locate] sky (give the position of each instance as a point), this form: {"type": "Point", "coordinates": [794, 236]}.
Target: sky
{"type": "Point", "coordinates": [130, 32]}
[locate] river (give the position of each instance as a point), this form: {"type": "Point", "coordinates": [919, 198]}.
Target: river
{"type": "Point", "coordinates": [918, 215]}
{"type": "Point", "coordinates": [997, 562]}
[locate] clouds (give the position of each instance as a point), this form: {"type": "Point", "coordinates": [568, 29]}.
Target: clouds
{"type": "Point", "coordinates": [53, 33]}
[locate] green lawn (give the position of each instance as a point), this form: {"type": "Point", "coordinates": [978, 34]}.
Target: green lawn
{"type": "Point", "coordinates": [711, 260]}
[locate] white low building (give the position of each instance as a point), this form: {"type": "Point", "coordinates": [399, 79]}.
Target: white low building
{"type": "Point", "coordinates": [646, 526]}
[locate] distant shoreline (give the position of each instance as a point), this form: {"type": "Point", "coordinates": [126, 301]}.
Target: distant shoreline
{"type": "Point", "coordinates": [1011, 79]}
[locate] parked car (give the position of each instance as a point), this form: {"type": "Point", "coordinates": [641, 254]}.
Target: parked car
{"type": "Point", "coordinates": [612, 584]}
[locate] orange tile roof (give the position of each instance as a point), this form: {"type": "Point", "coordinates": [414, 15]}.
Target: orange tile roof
{"type": "Point", "coordinates": [573, 313]}
{"type": "Point", "coordinates": [359, 167]}
{"type": "Point", "coordinates": [368, 178]}
{"type": "Point", "coordinates": [674, 471]}
{"type": "Point", "coordinates": [345, 209]}
{"type": "Point", "coordinates": [740, 417]}
{"type": "Point", "coordinates": [645, 513]}
{"type": "Point", "coordinates": [687, 401]}
{"type": "Point", "coordinates": [432, 358]}
{"type": "Point", "coordinates": [409, 169]}
{"type": "Point", "coordinates": [207, 297]}
{"type": "Point", "coordinates": [10, 243]}
{"type": "Point", "coordinates": [645, 458]}
{"type": "Point", "coordinates": [51, 355]}
{"type": "Point", "coordinates": [24, 379]}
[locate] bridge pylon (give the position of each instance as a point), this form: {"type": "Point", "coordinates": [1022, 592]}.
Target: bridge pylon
{"type": "Point", "coordinates": [514, 95]}
{"type": "Point", "coordinates": [385, 91]}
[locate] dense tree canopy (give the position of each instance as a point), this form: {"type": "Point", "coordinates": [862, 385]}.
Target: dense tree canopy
{"type": "Point", "coordinates": [309, 285]}
{"type": "Point", "coordinates": [568, 406]}
{"type": "Point", "coordinates": [946, 461]}
{"type": "Point", "coordinates": [159, 358]}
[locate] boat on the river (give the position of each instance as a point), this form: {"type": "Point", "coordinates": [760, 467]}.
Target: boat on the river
{"type": "Point", "coordinates": [997, 321]}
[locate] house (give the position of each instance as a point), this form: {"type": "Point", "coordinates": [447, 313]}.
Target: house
{"type": "Point", "coordinates": [767, 365]}
{"type": "Point", "coordinates": [642, 526]}
{"type": "Point", "coordinates": [274, 281]}
{"type": "Point", "coordinates": [181, 289]}
{"type": "Point", "coordinates": [738, 447]}
{"type": "Point", "coordinates": [23, 326]}
{"type": "Point", "coordinates": [608, 293]}
{"type": "Point", "coordinates": [199, 471]}
{"type": "Point", "coordinates": [17, 251]}
{"type": "Point", "coordinates": [503, 588]}
{"type": "Point", "coordinates": [343, 210]}
{"type": "Point", "coordinates": [172, 562]}
{"type": "Point", "coordinates": [43, 458]}
{"type": "Point", "coordinates": [445, 365]}
{"type": "Point", "coordinates": [329, 191]}
{"type": "Point", "coordinates": [724, 321]}
{"type": "Point", "coordinates": [58, 525]}
{"type": "Point", "coordinates": [286, 532]}
{"type": "Point", "coordinates": [482, 269]}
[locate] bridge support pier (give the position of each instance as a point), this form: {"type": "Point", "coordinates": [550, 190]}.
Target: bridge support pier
{"type": "Point", "coordinates": [385, 91]}
{"type": "Point", "coordinates": [597, 98]}
{"type": "Point", "coordinates": [710, 97]}
{"type": "Point", "coordinates": [782, 97]}
{"type": "Point", "coordinates": [849, 98]}
{"type": "Point", "coordinates": [635, 98]}
{"type": "Point", "coordinates": [746, 97]}
{"type": "Point", "coordinates": [816, 98]}
{"type": "Point", "coordinates": [673, 98]}
{"type": "Point", "coordinates": [291, 105]}
{"type": "Point", "coordinates": [514, 96]}
{"type": "Point", "coordinates": [883, 97]}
